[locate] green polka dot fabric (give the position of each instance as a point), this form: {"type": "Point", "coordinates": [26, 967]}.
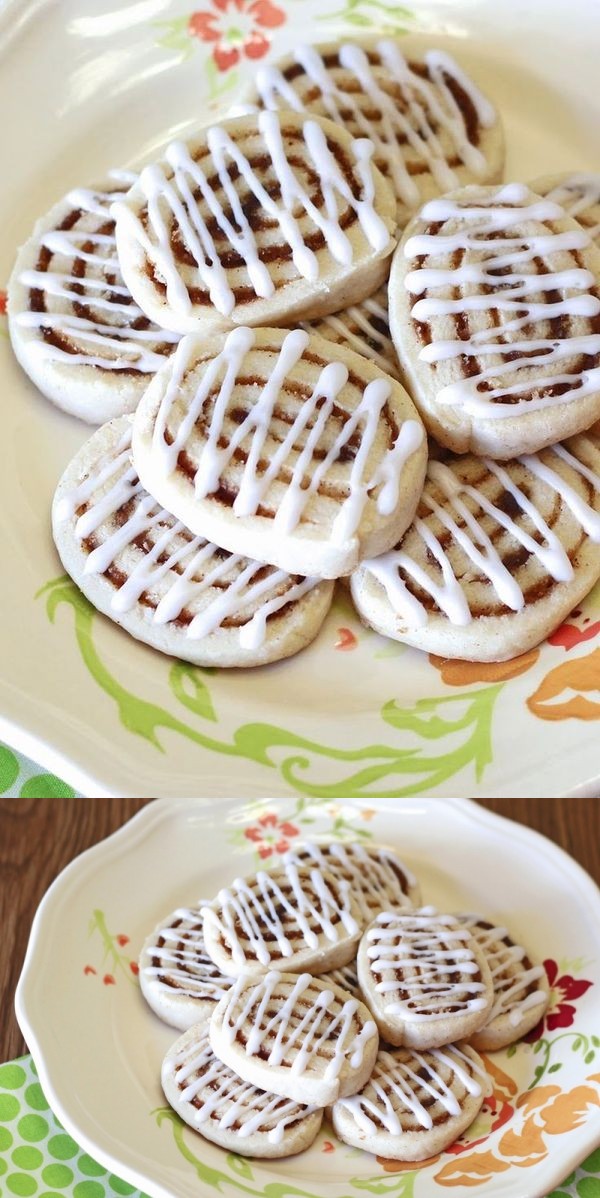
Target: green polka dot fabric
{"type": "Point", "coordinates": [22, 779]}
{"type": "Point", "coordinates": [37, 1157]}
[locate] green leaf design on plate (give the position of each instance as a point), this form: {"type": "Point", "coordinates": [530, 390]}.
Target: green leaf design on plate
{"type": "Point", "coordinates": [366, 771]}
{"type": "Point", "coordinates": [175, 36]}
{"type": "Point", "coordinates": [373, 14]}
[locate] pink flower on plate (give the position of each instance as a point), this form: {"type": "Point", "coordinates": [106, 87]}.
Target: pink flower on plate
{"type": "Point", "coordinates": [563, 993]}
{"type": "Point", "coordinates": [2, 303]}
{"type": "Point", "coordinates": [271, 835]}
{"type": "Point", "coordinates": [236, 28]}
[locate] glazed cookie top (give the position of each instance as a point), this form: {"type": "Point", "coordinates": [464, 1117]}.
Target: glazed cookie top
{"type": "Point", "coordinates": [68, 290]}
{"type": "Point", "coordinates": [423, 966]}
{"type": "Point", "coordinates": [234, 227]}
{"type": "Point", "coordinates": [412, 1091]}
{"type": "Point", "coordinates": [428, 121]}
{"type": "Point", "coordinates": [378, 879]}
{"type": "Point", "coordinates": [516, 979]}
{"type": "Point", "coordinates": [293, 916]}
{"type": "Point", "coordinates": [295, 1029]}
{"type": "Point", "coordinates": [112, 529]}
{"type": "Point", "coordinates": [214, 1093]}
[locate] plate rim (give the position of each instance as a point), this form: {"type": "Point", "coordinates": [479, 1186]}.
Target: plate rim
{"type": "Point", "coordinates": [142, 825]}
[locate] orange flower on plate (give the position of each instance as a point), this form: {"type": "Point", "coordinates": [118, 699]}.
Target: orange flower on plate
{"type": "Point", "coordinates": [455, 672]}
{"type": "Point", "coordinates": [571, 683]}
{"type": "Point", "coordinates": [236, 29]}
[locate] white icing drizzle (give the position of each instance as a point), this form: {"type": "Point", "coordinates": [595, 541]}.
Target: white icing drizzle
{"type": "Point", "coordinates": [279, 904]}
{"type": "Point", "coordinates": [356, 327]}
{"type": "Point", "coordinates": [224, 1098]}
{"type": "Point", "coordinates": [109, 341]}
{"type": "Point", "coordinates": [184, 967]}
{"type": "Point", "coordinates": [245, 583]}
{"type": "Point", "coordinates": [346, 978]}
{"type": "Point", "coordinates": [170, 202]}
{"type": "Point", "coordinates": [430, 950]}
{"type": "Point", "coordinates": [372, 873]}
{"type": "Point", "coordinates": [579, 195]}
{"type": "Point", "coordinates": [295, 1032]}
{"type": "Point", "coordinates": [448, 593]}
{"type": "Point", "coordinates": [510, 977]}
{"type": "Point", "coordinates": [488, 231]}
{"type": "Point", "coordinates": [428, 119]}
{"type": "Point", "coordinates": [306, 474]}
{"type": "Point", "coordinates": [399, 1078]}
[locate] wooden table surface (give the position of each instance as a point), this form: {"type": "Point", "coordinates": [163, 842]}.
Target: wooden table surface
{"type": "Point", "coordinates": [40, 836]}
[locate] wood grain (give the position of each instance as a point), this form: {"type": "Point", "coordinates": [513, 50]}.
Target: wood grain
{"type": "Point", "coordinates": [40, 836]}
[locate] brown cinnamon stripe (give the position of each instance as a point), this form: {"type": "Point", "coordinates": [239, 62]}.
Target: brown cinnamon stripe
{"type": "Point", "coordinates": [562, 327]}
{"type": "Point", "coordinates": [270, 254]}
{"type": "Point", "coordinates": [85, 310]}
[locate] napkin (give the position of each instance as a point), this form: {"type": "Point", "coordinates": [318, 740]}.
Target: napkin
{"type": "Point", "coordinates": [38, 1159]}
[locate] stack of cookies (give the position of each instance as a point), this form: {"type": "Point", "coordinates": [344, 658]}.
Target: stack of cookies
{"type": "Point", "coordinates": [320, 988]}
{"type": "Point", "coordinates": [329, 344]}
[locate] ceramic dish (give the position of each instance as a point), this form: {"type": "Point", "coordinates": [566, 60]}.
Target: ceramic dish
{"type": "Point", "coordinates": [98, 1047]}
{"type": "Point", "coordinates": [354, 714]}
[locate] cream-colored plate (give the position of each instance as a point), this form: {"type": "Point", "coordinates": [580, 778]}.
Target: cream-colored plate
{"type": "Point", "coordinates": [98, 1047]}
{"type": "Point", "coordinates": [84, 87]}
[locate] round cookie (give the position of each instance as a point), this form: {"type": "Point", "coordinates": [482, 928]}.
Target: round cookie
{"type": "Point", "coordinates": [73, 324]}
{"type": "Point", "coordinates": [303, 1037]}
{"type": "Point", "coordinates": [415, 1104]}
{"type": "Point", "coordinates": [260, 220]}
{"type": "Point", "coordinates": [432, 128]}
{"type": "Point", "coordinates": [175, 591]}
{"type": "Point", "coordinates": [289, 917]}
{"type": "Point", "coordinates": [271, 445]}
{"type": "Point", "coordinates": [494, 306]}
{"type": "Point", "coordinates": [379, 881]}
{"type": "Point", "coordinates": [498, 555]}
{"type": "Point", "coordinates": [578, 193]}
{"type": "Point", "coordinates": [228, 1111]}
{"type": "Point", "coordinates": [424, 978]}
{"type": "Point", "coordinates": [521, 989]}
{"type": "Point", "coordinates": [177, 977]}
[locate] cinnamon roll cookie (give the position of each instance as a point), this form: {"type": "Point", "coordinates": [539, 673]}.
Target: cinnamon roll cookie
{"type": "Point", "coordinates": [424, 978]}
{"type": "Point", "coordinates": [165, 585]}
{"type": "Point", "coordinates": [297, 918]}
{"type": "Point", "coordinates": [498, 555]}
{"type": "Point", "coordinates": [495, 314]}
{"type": "Point", "coordinates": [521, 990]}
{"type": "Point", "coordinates": [74, 325]}
{"type": "Point", "coordinates": [415, 1104]}
{"type": "Point", "coordinates": [302, 1037]}
{"type": "Point", "coordinates": [228, 1111]}
{"type": "Point", "coordinates": [578, 194]}
{"type": "Point", "coordinates": [378, 880]}
{"type": "Point", "coordinates": [364, 328]}
{"type": "Point", "coordinates": [261, 220]}
{"type": "Point", "coordinates": [271, 445]}
{"type": "Point", "coordinates": [432, 128]}
{"type": "Point", "coordinates": [177, 977]}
